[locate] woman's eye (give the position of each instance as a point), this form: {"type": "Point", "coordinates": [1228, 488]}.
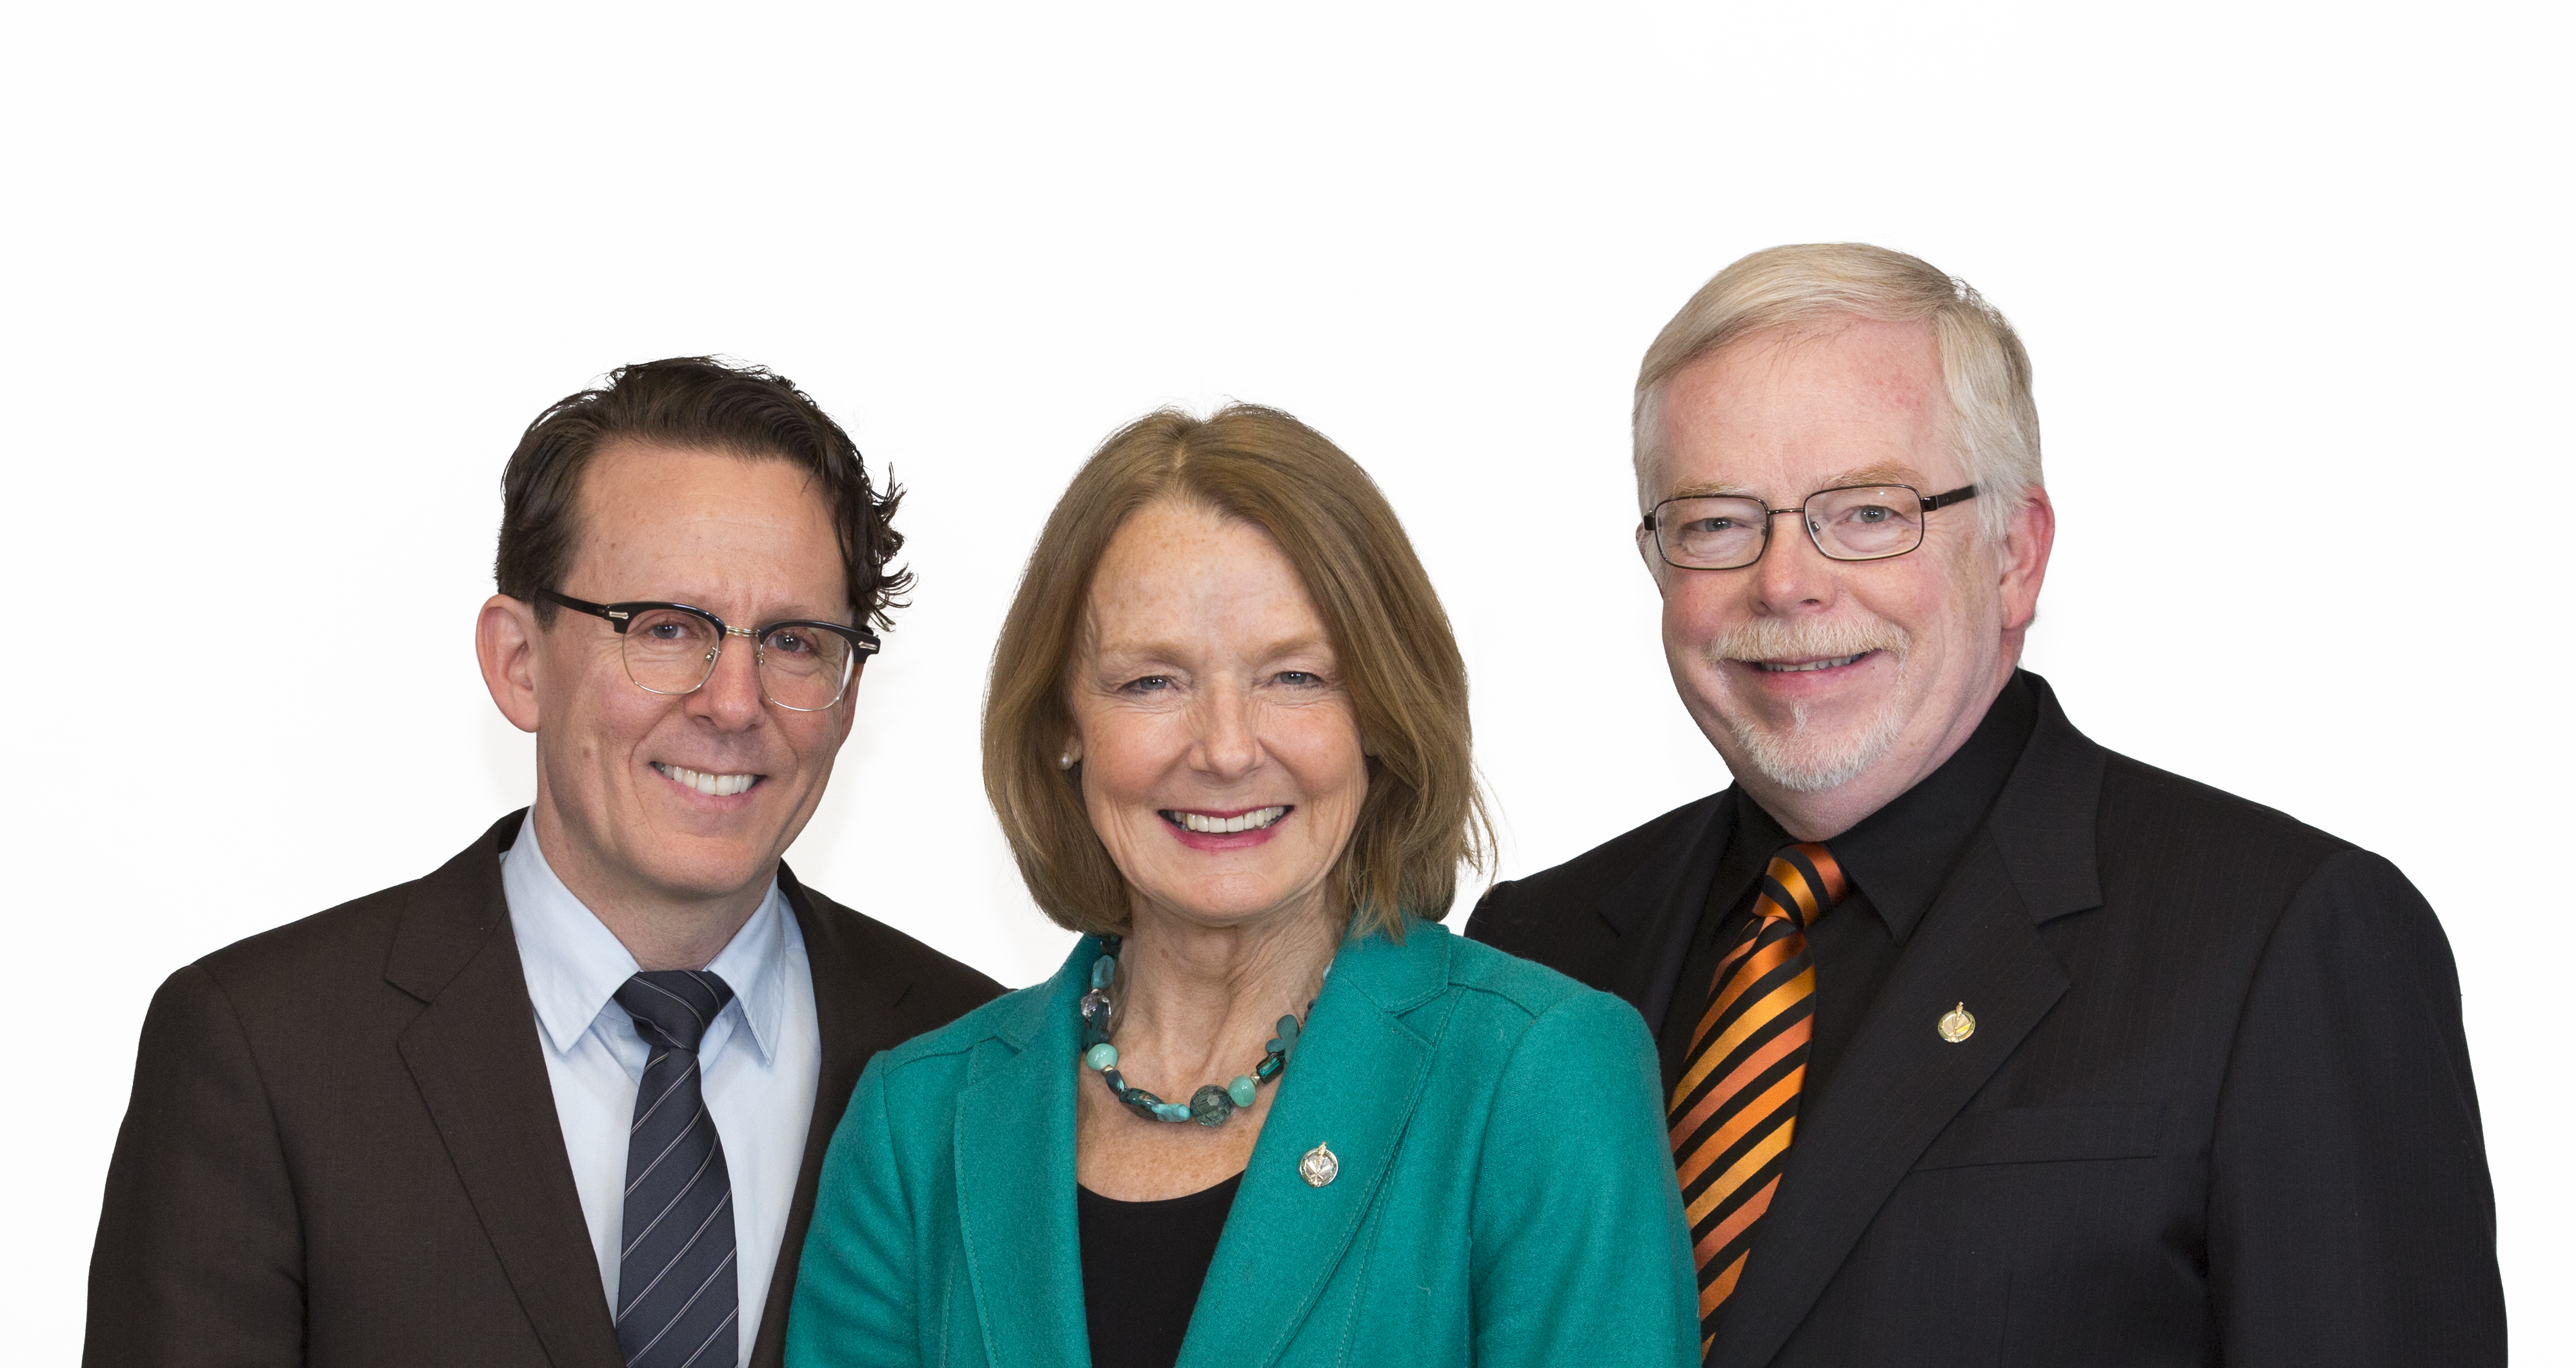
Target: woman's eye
{"type": "Point", "coordinates": [1300, 678]}
{"type": "Point", "coordinates": [1150, 683]}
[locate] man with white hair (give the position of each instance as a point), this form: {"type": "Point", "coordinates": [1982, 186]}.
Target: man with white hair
{"type": "Point", "coordinates": [1981, 1043]}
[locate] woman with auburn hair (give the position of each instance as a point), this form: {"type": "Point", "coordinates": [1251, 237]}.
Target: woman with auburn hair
{"type": "Point", "coordinates": [1270, 1112]}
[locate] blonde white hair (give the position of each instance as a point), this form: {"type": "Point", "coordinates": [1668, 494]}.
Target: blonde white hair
{"type": "Point", "coordinates": [1993, 424]}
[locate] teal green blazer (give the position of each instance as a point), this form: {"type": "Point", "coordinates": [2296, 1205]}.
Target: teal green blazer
{"type": "Point", "coordinates": [1505, 1197]}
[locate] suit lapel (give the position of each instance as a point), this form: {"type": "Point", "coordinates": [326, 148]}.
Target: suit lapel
{"type": "Point", "coordinates": [1900, 1084]}
{"type": "Point", "coordinates": [473, 1054]}
{"type": "Point", "coordinates": [1655, 909]}
{"type": "Point", "coordinates": [1014, 1138]}
{"type": "Point", "coordinates": [1351, 1085]}
{"type": "Point", "coordinates": [854, 1013]}
{"type": "Point", "coordinates": [1896, 1089]}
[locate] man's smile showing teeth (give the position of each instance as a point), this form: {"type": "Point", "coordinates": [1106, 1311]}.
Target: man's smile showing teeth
{"type": "Point", "coordinates": [1775, 667]}
{"type": "Point", "coordinates": [1209, 825]}
{"type": "Point", "coordinates": [712, 785]}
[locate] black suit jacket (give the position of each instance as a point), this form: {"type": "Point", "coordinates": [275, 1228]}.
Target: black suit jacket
{"type": "Point", "coordinates": [342, 1147]}
{"type": "Point", "coordinates": [2216, 1109]}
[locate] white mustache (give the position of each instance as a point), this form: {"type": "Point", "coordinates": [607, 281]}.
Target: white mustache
{"type": "Point", "coordinates": [1781, 639]}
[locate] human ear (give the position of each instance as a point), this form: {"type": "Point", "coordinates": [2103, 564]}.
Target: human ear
{"type": "Point", "coordinates": [505, 644]}
{"type": "Point", "coordinates": [2027, 542]}
{"type": "Point", "coordinates": [848, 708]}
{"type": "Point", "coordinates": [1654, 559]}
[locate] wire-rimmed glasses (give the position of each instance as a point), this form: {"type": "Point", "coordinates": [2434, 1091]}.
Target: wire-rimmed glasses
{"type": "Point", "coordinates": [671, 648]}
{"type": "Point", "coordinates": [1846, 522]}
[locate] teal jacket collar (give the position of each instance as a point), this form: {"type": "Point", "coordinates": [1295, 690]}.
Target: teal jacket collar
{"type": "Point", "coordinates": [1351, 1085]}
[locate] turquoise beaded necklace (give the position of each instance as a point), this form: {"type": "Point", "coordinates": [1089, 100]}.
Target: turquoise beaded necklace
{"type": "Point", "coordinates": [1211, 1105]}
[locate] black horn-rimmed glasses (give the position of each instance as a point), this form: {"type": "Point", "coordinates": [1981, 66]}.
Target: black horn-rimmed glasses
{"type": "Point", "coordinates": [1846, 522]}
{"type": "Point", "coordinates": [671, 648]}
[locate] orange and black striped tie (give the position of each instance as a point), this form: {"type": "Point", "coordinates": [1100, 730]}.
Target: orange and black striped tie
{"type": "Point", "coordinates": [1737, 1102]}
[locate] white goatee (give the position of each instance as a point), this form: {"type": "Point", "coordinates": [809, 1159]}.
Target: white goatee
{"type": "Point", "coordinates": [1796, 757]}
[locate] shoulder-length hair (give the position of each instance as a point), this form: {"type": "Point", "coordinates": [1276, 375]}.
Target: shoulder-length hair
{"type": "Point", "coordinates": [1424, 815]}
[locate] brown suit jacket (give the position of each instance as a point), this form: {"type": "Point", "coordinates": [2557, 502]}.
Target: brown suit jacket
{"type": "Point", "coordinates": [342, 1147]}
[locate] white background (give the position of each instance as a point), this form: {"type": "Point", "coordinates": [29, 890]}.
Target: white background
{"type": "Point", "coordinates": [282, 287]}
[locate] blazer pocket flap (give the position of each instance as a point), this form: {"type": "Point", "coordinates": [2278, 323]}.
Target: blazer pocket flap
{"type": "Point", "coordinates": [2039, 1135]}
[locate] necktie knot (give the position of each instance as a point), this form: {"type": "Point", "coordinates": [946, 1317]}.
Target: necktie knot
{"type": "Point", "coordinates": [1801, 884]}
{"type": "Point", "coordinates": [674, 1007]}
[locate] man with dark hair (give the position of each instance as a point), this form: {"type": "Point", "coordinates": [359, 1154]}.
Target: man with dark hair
{"type": "Point", "coordinates": [562, 1101]}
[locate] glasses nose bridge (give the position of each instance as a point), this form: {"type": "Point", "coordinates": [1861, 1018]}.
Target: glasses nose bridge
{"type": "Point", "coordinates": [1769, 513]}
{"type": "Point", "coordinates": [715, 654]}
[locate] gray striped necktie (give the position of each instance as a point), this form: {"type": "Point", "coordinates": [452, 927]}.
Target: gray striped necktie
{"type": "Point", "coordinates": [678, 1305]}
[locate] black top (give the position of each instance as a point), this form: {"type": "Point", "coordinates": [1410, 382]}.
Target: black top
{"type": "Point", "coordinates": [1142, 1263]}
{"type": "Point", "coordinates": [1897, 859]}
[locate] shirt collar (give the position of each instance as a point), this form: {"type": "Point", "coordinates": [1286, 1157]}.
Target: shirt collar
{"type": "Point", "coordinates": [574, 964]}
{"type": "Point", "coordinates": [1902, 854]}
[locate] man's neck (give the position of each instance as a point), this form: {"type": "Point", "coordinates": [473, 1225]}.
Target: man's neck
{"type": "Point", "coordinates": [660, 931]}
{"type": "Point", "coordinates": [1826, 814]}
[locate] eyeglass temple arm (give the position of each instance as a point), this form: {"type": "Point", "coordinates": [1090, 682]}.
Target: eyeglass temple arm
{"type": "Point", "coordinates": [598, 610]}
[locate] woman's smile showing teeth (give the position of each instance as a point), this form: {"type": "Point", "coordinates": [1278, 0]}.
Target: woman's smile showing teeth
{"type": "Point", "coordinates": [1213, 824]}
{"type": "Point", "coordinates": [712, 785]}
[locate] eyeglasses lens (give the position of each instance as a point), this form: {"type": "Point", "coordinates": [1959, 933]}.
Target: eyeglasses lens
{"type": "Point", "coordinates": [1866, 524]}
{"type": "Point", "coordinates": [670, 652]}
{"type": "Point", "coordinates": [804, 668]}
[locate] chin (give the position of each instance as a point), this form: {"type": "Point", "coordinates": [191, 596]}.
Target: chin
{"type": "Point", "coordinates": [1801, 759]}
{"type": "Point", "coordinates": [712, 873]}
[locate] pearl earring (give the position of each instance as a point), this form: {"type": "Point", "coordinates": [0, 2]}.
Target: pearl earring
{"type": "Point", "coordinates": [1064, 761]}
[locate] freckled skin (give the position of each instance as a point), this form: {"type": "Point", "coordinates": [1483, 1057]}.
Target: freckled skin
{"type": "Point", "coordinates": [1778, 418]}
{"type": "Point", "coordinates": [672, 871]}
{"type": "Point", "coordinates": [1209, 685]}
{"type": "Point", "coordinates": [1207, 682]}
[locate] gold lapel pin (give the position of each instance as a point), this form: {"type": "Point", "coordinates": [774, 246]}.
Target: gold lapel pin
{"type": "Point", "coordinates": [1319, 1166]}
{"type": "Point", "coordinates": [1956, 1024]}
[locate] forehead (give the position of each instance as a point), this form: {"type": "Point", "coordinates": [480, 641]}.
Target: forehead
{"type": "Point", "coordinates": [1176, 572]}
{"type": "Point", "coordinates": [660, 521]}
{"type": "Point", "coordinates": [1781, 414]}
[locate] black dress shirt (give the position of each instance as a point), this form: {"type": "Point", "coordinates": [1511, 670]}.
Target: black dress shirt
{"type": "Point", "coordinates": [1897, 859]}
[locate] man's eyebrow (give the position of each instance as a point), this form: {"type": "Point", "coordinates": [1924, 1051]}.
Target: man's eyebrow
{"type": "Point", "coordinates": [1860, 475]}
{"type": "Point", "coordinates": [1877, 475]}
{"type": "Point", "coordinates": [1710, 489]}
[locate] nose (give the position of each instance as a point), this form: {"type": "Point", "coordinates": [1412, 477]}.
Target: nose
{"type": "Point", "coordinates": [730, 699]}
{"type": "Point", "coordinates": [1793, 576]}
{"type": "Point", "coordinates": [1229, 735]}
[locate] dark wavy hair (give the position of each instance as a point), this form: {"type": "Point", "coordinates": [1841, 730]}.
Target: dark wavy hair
{"type": "Point", "coordinates": [707, 404]}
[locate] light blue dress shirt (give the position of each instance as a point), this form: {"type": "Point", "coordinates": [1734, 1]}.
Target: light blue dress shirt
{"type": "Point", "coordinates": [758, 1063]}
